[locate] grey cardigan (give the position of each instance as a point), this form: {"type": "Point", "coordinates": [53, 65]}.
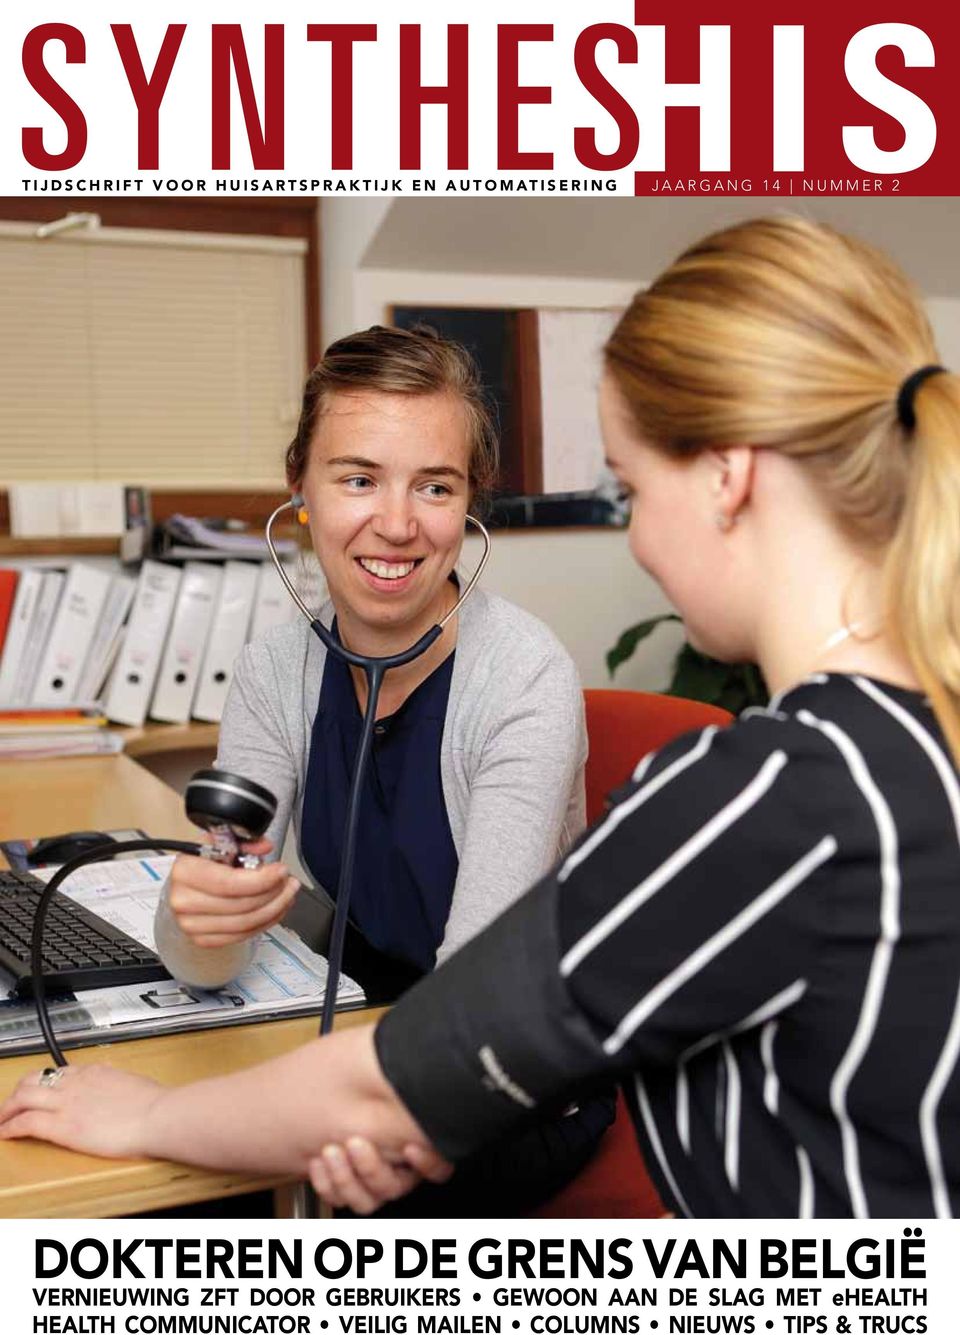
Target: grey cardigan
{"type": "Point", "coordinates": [511, 762]}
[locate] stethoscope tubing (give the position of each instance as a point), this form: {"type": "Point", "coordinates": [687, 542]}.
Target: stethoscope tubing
{"type": "Point", "coordinates": [374, 670]}
{"type": "Point", "coordinates": [101, 853]}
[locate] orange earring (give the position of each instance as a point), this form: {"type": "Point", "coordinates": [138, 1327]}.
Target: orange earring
{"type": "Point", "coordinates": [302, 515]}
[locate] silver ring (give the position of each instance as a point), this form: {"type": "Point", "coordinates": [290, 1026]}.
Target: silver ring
{"type": "Point", "coordinates": [51, 1075]}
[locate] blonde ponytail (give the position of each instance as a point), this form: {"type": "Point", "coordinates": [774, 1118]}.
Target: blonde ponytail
{"type": "Point", "coordinates": [786, 334]}
{"type": "Point", "coordinates": [923, 561]}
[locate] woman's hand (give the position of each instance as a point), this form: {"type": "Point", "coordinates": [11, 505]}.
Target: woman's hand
{"type": "Point", "coordinates": [217, 905]}
{"type": "Point", "coordinates": [359, 1177]}
{"type": "Point", "coordinates": [96, 1109]}
{"type": "Point", "coordinates": [271, 1118]}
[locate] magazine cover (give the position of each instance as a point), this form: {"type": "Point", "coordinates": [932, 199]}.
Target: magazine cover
{"type": "Point", "coordinates": [566, 401]}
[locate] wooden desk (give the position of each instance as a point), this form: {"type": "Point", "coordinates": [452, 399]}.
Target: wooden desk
{"type": "Point", "coordinates": [155, 739]}
{"type": "Point", "coordinates": [103, 792]}
{"type": "Point", "coordinates": [40, 797]}
{"type": "Point", "coordinates": [43, 1181]}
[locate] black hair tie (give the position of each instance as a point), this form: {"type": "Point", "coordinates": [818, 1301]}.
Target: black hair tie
{"type": "Point", "coordinates": [908, 392]}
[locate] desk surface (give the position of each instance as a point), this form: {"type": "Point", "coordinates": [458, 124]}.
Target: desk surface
{"type": "Point", "coordinates": [156, 739]}
{"type": "Point", "coordinates": [110, 792]}
{"type": "Point", "coordinates": [39, 797]}
{"type": "Point", "coordinates": [44, 1181]}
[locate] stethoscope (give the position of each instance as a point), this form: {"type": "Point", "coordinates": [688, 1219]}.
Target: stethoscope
{"type": "Point", "coordinates": [234, 809]}
{"type": "Point", "coordinates": [374, 669]}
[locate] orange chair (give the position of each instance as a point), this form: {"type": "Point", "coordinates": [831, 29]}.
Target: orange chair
{"type": "Point", "coordinates": [622, 727]}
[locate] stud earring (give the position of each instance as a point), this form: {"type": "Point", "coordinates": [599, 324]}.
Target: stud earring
{"type": "Point", "coordinates": [303, 516]}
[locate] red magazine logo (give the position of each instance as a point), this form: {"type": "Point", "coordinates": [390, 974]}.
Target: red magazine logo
{"type": "Point", "coordinates": [724, 98]}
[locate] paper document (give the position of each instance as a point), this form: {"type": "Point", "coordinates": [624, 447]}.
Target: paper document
{"type": "Point", "coordinates": [193, 533]}
{"type": "Point", "coordinates": [283, 979]}
{"type": "Point", "coordinates": [59, 742]}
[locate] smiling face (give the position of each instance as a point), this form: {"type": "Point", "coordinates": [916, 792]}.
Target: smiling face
{"type": "Point", "coordinates": [386, 488]}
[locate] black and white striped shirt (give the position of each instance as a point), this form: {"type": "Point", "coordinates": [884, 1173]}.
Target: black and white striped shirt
{"type": "Point", "coordinates": [763, 934]}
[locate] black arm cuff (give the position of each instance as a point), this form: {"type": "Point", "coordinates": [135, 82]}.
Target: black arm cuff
{"type": "Point", "coordinates": [490, 1035]}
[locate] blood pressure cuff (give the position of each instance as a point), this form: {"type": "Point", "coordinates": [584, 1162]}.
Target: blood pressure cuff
{"type": "Point", "coordinates": [491, 1035]}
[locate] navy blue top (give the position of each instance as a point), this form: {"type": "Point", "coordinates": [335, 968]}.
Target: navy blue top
{"type": "Point", "coordinates": [406, 862]}
{"type": "Point", "coordinates": [405, 870]}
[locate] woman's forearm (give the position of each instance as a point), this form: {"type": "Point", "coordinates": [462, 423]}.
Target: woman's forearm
{"type": "Point", "coordinates": [274, 1117]}
{"type": "Point", "coordinates": [198, 966]}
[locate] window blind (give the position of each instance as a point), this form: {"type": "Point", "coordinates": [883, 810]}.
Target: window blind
{"type": "Point", "coordinates": [158, 358]}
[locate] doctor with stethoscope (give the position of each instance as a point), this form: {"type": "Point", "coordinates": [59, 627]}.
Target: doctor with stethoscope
{"type": "Point", "coordinates": [475, 779]}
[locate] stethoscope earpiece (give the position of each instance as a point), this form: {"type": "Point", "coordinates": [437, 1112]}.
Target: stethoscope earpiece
{"type": "Point", "coordinates": [296, 504]}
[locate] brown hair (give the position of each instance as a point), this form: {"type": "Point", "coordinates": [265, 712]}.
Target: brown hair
{"type": "Point", "coordinates": [402, 361]}
{"type": "Point", "coordinates": [784, 333]}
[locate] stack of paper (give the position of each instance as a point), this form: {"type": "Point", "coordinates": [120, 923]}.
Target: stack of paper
{"type": "Point", "coordinates": [283, 979]}
{"type": "Point", "coordinates": [182, 535]}
{"type": "Point", "coordinates": [31, 733]}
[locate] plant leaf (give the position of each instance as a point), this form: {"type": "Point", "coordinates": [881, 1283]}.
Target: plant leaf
{"type": "Point", "coordinates": [732, 686]}
{"type": "Point", "coordinates": [697, 677]}
{"type": "Point", "coordinates": [628, 641]}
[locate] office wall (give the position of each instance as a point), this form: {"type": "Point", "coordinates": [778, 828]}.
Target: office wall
{"type": "Point", "coordinates": [945, 318]}
{"type": "Point", "coordinates": [346, 230]}
{"type": "Point", "coordinates": [585, 586]}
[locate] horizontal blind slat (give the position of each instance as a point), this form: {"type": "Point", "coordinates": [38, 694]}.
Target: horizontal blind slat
{"type": "Point", "coordinates": [161, 366]}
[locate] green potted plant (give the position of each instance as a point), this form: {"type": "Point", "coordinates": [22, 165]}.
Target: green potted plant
{"type": "Point", "coordinates": [696, 676]}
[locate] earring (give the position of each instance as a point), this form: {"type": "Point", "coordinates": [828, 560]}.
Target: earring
{"type": "Point", "coordinates": [302, 515]}
{"type": "Point", "coordinates": [724, 522]}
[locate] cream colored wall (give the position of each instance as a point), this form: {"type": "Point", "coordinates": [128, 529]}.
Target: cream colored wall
{"type": "Point", "coordinates": [945, 318]}
{"type": "Point", "coordinates": [375, 289]}
{"type": "Point", "coordinates": [585, 586]}
{"type": "Point", "coordinates": [345, 232]}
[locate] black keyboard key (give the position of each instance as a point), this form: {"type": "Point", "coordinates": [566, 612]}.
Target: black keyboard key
{"type": "Point", "coordinates": [80, 950]}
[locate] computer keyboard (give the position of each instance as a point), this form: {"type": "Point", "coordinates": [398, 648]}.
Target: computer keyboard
{"type": "Point", "coordinates": [79, 949]}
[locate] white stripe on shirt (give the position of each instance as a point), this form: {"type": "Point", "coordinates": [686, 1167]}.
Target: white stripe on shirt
{"type": "Point", "coordinates": [683, 1107]}
{"type": "Point", "coordinates": [731, 1129]}
{"type": "Point", "coordinates": [714, 945]}
{"type": "Point", "coordinates": [948, 1054]}
{"type": "Point", "coordinates": [881, 959]}
{"type": "Point", "coordinates": [774, 1006]}
{"type": "Point", "coordinates": [626, 808]}
{"type": "Point", "coordinates": [935, 753]}
{"type": "Point", "coordinates": [771, 1083]}
{"type": "Point", "coordinates": [805, 1204]}
{"type": "Point", "coordinates": [653, 1135]}
{"type": "Point", "coordinates": [928, 1115]}
{"type": "Point", "coordinates": [710, 831]}
{"type": "Point", "coordinates": [814, 679]}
